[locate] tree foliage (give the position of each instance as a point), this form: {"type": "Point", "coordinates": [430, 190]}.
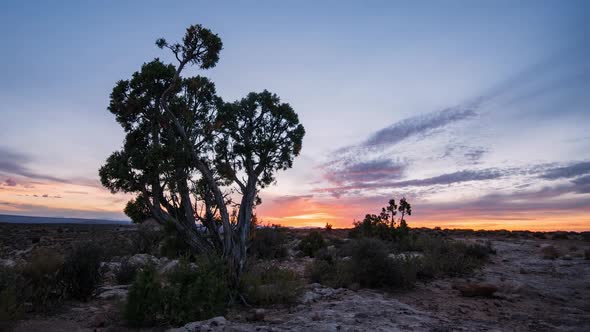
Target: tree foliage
{"type": "Point", "coordinates": [385, 225]}
{"type": "Point", "coordinates": [189, 156]}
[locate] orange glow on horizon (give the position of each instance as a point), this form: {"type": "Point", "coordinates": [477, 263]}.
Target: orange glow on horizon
{"type": "Point", "coordinates": [74, 200]}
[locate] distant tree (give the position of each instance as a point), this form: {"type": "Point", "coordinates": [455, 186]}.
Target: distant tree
{"type": "Point", "coordinates": [385, 225]}
{"type": "Point", "coordinates": [328, 226]}
{"type": "Point", "coordinates": [187, 153]}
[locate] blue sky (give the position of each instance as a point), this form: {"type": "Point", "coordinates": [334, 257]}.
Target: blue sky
{"type": "Point", "coordinates": [451, 90]}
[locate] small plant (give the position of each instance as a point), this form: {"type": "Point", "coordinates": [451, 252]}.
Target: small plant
{"type": "Point", "coordinates": [369, 265]}
{"type": "Point", "coordinates": [266, 285]}
{"type": "Point", "coordinates": [144, 307]}
{"type": "Point", "coordinates": [43, 285]}
{"type": "Point", "coordinates": [11, 297]}
{"type": "Point", "coordinates": [81, 271]}
{"type": "Point", "coordinates": [188, 294]}
{"type": "Point", "coordinates": [269, 243]}
{"type": "Point", "coordinates": [313, 242]}
{"type": "Point", "coordinates": [195, 294]}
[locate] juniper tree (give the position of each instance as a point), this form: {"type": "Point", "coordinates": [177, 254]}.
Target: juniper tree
{"type": "Point", "coordinates": [190, 156]}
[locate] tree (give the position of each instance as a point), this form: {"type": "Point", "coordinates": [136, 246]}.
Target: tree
{"type": "Point", "coordinates": [383, 225]}
{"type": "Point", "coordinates": [190, 156]}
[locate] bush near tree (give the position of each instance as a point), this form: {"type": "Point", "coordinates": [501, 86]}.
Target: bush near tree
{"type": "Point", "coordinates": [385, 225]}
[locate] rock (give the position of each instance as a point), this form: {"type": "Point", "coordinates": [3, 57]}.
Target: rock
{"type": "Point", "coordinates": [567, 257]}
{"type": "Point", "coordinates": [7, 263]}
{"type": "Point", "coordinates": [141, 260]}
{"type": "Point", "coordinates": [113, 292]}
{"type": "Point", "coordinates": [549, 251]}
{"type": "Point", "coordinates": [168, 267]}
{"type": "Point", "coordinates": [213, 324]}
{"type": "Point", "coordinates": [109, 270]}
{"type": "Point", "coordinates": [476, 289]}
{"type": "Point", "coordinates": [256, 315]}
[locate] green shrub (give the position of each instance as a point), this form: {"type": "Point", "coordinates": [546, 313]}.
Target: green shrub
{"type": "Point", "coordinates": [266, 285]}
{"type": "Point", "coordinates": [313, 242]}
{"type": "Point", "coordinates": [443, 257]}
{"type": "Point", "coordinates": [187, 294]}
{"type": "Point", "coordinates": [43, 286]}
{"type": "Point", "coordinates": [144, 301]}
{"type": "Point", "coordinates": [81, 271]}
{"type": "Point", "coordinates": [369, 265]}
{"type": "Point", "coordinates": [333, 272]}
{"type": "Point", "coordinates": [11, 295]}
{"type": "Point", "coordinates": [196, 295]}
{"type": "Point", "coordinates": [269, 243]}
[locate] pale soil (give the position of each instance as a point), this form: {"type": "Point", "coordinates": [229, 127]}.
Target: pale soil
{"type": "Point", "coordinates": [535, 294]}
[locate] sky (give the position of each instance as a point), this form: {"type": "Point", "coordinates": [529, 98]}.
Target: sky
{"type": "Point", "coordinates": [477, 111]}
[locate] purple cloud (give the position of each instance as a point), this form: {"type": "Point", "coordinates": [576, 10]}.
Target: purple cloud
{"type": "Point", "coordinates": [570, 171]}
{"type": "Point", "coordinates": [10, 182]}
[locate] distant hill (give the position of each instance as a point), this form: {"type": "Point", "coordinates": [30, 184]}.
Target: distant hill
{"type": "Point", "coordinates": [5, 218]}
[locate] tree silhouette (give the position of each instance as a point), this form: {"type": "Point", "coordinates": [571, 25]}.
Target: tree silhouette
{"type": "Point", "coordinates": [383, 225]}
{"type": "Point", "coordinates": [187, 153]}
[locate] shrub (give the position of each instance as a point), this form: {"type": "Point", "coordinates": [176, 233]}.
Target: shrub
{"type": "Point", "coordinates": [196, 295]}
{"type": "Point", "coordinates": [269, 243]}
{"type": "Point", "coordinates": [265, 285]}
{"type": "Point", "coordinates": [330, 271]}
{"type": "Point", "coordinates": [144, 302]}
{"type": "Point", "coordinates": [444, 257]}
{"type": "Point", "coordinates": [42, 279]}
{"type": "Point", "coordinates": [310, 244]}
{"type": "Point", "coordinates": [126, 273]}
{"type": "Point", "coordinates": [81, 271]}
{"type": "Point", "coordinates": [550, 252]}
{"type": "Point", "coordinates": [370, 265]}
{"type": "Point", "coordinates": [188, 294]}
{"type": "Point", "coordinates": [11, 297]}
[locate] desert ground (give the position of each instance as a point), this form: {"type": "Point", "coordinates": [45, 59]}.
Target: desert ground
{"type": "Point", "coordinates": [534, 293]}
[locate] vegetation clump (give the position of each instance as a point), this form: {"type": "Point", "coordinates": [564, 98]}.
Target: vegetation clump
{"type": "Point", "coordinates": [81, 271]}
{"type": "Point", "coordinates": [11, 295]}
{"type": "Point", "coordinates": [269, 243]}
{"type": "Point", "coordinates": [267, 285]}
{"type": "Point", "coordinates": [369, 265]}
{"type": "Point", "coordinates": [187, 294]}
{"type": "Point", "coordinates": [311, 243]}
{"type": "Point", "coordinates": [385, 225]}
{"type": "Point", "coordinates": [43, 286]}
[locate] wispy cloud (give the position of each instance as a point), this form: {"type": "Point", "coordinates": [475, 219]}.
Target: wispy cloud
{"type": "Point", "coordinates": [417, 125]}
{"type": "Point", "coordinates": [12, 162]}
{"type": "Point", "coordinates": [570, 171]}
{"type": "Point", "coordinates": [15, 163]}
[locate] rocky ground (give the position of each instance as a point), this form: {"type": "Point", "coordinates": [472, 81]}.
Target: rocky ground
{"type": "Point", "coordinates": [533, 293]}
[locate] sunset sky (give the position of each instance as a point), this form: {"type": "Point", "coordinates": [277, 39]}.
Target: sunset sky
{"type": "Point", "coordinates": [477, 111]}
